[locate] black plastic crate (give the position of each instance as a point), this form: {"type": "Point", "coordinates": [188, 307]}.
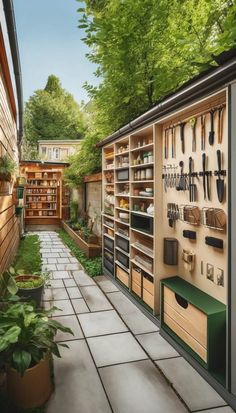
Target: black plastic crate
{"type": "Point", "coordinates": [122, 243]}
{"type": "Point", "coordinates": [108, 243]}
{"type": "Point", "coordinates": [122, 258]}
{"type": "Point", "coordinates": [108, 265]}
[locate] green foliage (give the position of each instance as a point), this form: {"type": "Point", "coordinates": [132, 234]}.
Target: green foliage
{"type": "Point", "coordinates": [30, 283]}
{"type": "Point", "coordinates": [74, 211]}
{"type": "Point", "coordinates": [85, 162]}
{"type": "Point", "coordinates": [7, 165]}
{"type": "Point", "coordinates": [7, 285]}
{"type": "Point", "coordinates": [93, 266]}
{"type": "Point", "coordinates": [28, 258]}
{"type": "Point", "coordinates": [147, 48]}
{"type": "Point", "coordinates": [27, 335]}
{"type": "Point", "coordinates": [51, 113]}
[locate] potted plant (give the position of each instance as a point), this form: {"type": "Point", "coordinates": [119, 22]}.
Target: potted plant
{"type": "Point", "coordinates": [30, 286]}
{"type": "Point", "coordinates": [26, 345]}
{"type": "Point", "coordinates": [7, 168]}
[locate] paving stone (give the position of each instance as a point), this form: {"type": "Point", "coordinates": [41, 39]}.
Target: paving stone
{"type": "Point", "coordinates": [95, 299]}
{"type": "Point", "coordinates": [69, 282]}
{"type": "Point", "coordinates": [43, 250]}
{"type": "Point", "coordinates": [63, 260]}
{"type": "Point", "coordinates": [82, 279]}
{"type": "Point", "coordinates": [74, 292]}
{"type": "Point", "coordinates": [80, 306]}
{"type": "Point", "coordinates": [61, 274]}
{"type": "Point", "coordinates": [65, 308]}
{"type": "Point", "coordinates": [61, 267]}
{"type": "Point", "coordinates": [71, 322]}
{"type": "Point", "coordinates": [188, 383]}
{"type": "Point", "coordinates": [51, 255]}
{"type": "Point", "coordinates": [72, 267]}
{"type": "Point", "coordinates": [139, 387]}
{"type": "Point", "coordinates": [49, 267]}
{"type": "Point", "coordinates": [65, 255]}
{"type": "Point", "coordinates": [100, 323]}
{"type": "Point", "coordinates": [106, 285]}
{"type": "Point", "coordinates": [122, 303]}
{"type": "Point", "coordinates": [56, 283]}
{"type": "Point", "coordinates": [138, 323]}
{"type": "Point", "coordinates": [114, 349]}
{"type": "Point", "coordinates": [60, 294]}
{"type": "Point", "coordinates": [85, 393]}
{"type": "Point", "coordinates": [47, 294]}
{"type": "Point", "coordinates": [73, 260]}
{"type": "Point", "coordinates": [52, 260]}
{"type": "Point", "coordinates": [156, 346]}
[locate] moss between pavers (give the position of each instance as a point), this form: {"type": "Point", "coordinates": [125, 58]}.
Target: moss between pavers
{"type": "Point", "coordinates": [93, 266]}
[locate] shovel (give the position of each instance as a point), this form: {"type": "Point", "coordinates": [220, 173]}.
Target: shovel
{"type": "Point", "coordinates": [219, 181]}
{"type": "Point", "coordinates": [192, 186]}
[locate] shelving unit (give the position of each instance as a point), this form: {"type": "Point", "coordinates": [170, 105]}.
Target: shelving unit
{"type": "Point", "coordinates": [132, 160]}
{"type": "Point", "coordinates": [45, 195]}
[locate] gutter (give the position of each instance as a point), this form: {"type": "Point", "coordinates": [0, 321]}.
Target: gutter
{"type": "Point", "coordinates": [12, 35]}
{"type": "Point", "coordinates": [216, 79]}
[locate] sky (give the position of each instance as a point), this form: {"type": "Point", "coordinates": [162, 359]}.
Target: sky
{"type": "Point", "coordinates": [50, 43]}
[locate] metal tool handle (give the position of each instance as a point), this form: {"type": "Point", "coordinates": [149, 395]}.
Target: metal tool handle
{"type": "Point", "coordinates": [218, 153]}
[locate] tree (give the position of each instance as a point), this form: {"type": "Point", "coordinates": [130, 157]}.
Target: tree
{"type": "Point", "coordinates": [146, 48]}
{"type": "Point", "coordinates": [51, 113]}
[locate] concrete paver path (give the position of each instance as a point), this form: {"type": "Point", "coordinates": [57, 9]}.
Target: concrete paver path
{"type": "Point", "coordinates": [117, 361]}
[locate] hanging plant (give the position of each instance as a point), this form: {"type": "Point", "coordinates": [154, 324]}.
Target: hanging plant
{"type": "Point", "coordinates": [7, 168]}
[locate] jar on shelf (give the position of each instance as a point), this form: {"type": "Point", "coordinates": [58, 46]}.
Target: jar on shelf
{"type": "Point", "coordinates": [138, 175]}
{"type": "Point", "coordinates": [143, 174]}
{"type": "Point", "coordinates": [149, 173]}
{"type": "Point", "coordinates": [145, 157]}
{"type": "Point", "coordinates": [150, 157]}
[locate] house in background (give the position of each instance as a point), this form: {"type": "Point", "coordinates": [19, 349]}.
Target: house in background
{"type": "Point", "coordinates": [57, 150]}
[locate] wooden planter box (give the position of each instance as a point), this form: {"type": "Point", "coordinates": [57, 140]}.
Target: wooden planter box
{"type": "Point", "coordinates": [90, 250]}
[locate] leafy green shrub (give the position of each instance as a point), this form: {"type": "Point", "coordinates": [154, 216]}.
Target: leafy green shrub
{"type": "Point", "coordinates": [93, 266]}
{"type": "Point", "coordinates": [7, 165]}
{"type": "Point", "coordinates": [28, 258]}
{"type": "Point", "coordinates": [30, 283]}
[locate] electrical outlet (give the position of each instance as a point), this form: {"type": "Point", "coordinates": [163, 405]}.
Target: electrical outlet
{"type": "Point", "coordinates": [210, 272]}
{"type": "Point", "coordinates": [220, 277]}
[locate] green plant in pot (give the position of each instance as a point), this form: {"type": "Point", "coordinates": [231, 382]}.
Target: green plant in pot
{"type": "Point", "coordinates": [7, 168]}
{"type": "Point", "coordinates": [30, 287]}
{"type": "Point", "coordinates": [27, 341]}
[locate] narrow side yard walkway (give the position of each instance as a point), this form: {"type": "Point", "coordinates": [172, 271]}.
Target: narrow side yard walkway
{"type": "Point", "coordinates": [117, 361]}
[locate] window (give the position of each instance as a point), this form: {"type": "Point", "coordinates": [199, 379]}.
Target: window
{"type": "Point", "coordinates": [56, 153]}
{"type": "Point", "coordinates": [49, 153]}
{"type": "Point", "coordinates": [44, 150]}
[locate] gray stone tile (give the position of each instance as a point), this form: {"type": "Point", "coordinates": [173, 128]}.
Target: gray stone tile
{"type": "Point", "coordinates": [80, 306]}
{"type": "Point", "coordinates": [114, 349]}
{"type": "Point", "coordinates": [105, 284]}
{"type": "Point", "coordinates": [50, 255]}
{"type": "Point", "coordinates": [56, 283]}
{"type": "Point", "coordinates": [63, 260]}
{"type": "Point", "coordinates": [65, 255]}
{"type": "Point", "coordinates": [72, 267]}
{"type": "Point", "coordinates": [85, 393]}
{"type": "Point", "coordinates": [61, 274]}
{"type": "Point", "coordinates": [73, 260]}
{"type": "Point", "coordinates": [95, 299]}
{"type": "Point", "coordinates": [69, 282]}
{"type": "Point", "coordinates": [47, 294]}
{"type": "Point", "coordinates": [138, 323]}
{"type": "Point", "coordinates": [82, 279]}
{"type": "Point", "coordinates": [104, 322]}
{"type": "Point", "coordinates": [61, 267]}
{"type": "Point", "coordinates": [43, 250]}
{"type": "Point", "coordinates": [56, 249]}
{"type": "Point", "coordinates": [139, 387]}
{"type": "Point", "coordinates": [225, 409]}
{"type": "Point", "coordinates": [52, 260]}
{"type": "Point", "coordinates": [60, 294]}
{"type": "Point", "coordinates": [122, 303]}
{"type": "Point", "coordinates": [64, 308]}
{"type": "Point", "coordinates": [156, 346]}
{"type": "Point", "coordinates": [188, 383]}
{"type": "Point", "coordinates": [74, 292]}
{"type": "Point", "coordinates": [49, 267]}
{"type": "Point", "coordinates": [70, 321]}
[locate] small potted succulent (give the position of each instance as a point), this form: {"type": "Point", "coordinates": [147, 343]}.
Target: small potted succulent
{"type": "Point", "coordinates": [7, 168]}
{"type": "Point", "coordinates": [26, 348]}
{"type": "Point", "coordinates": [30, 287]}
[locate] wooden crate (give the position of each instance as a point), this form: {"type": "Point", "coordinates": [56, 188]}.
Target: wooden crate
{"type": "Point", "coordinates": [122, 275]}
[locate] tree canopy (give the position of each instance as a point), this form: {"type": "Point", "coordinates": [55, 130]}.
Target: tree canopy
{"type": "Point", "coordinates": [51, 113]}
{"type": "Point", "coordinates": [147, 48]}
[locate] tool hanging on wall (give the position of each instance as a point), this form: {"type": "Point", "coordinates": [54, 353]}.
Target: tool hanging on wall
{"type": "Point", "coordinates": [219, 182]}
{"type": "Point", "coordinates": [212, 132]}
{"type": "Point", "coordinates": [166, 144]}
{"type": "Point", "coordinates": [182, 125]}
{"type": "Point", "coordinates": [193, 124]}
{"type": "Point", "coordinates": [203, 132]}
{"type": "Point", "coordinates": [189, 260]}
{"type": "Point", "coordinates": [172, 214]}
{"type": "Point", "coordinates": [220, 123]}
{"type": "Point", "coordinates": [192, 186]}
{"type": "Point", "coordinates": [173, 142]}
{"type": "Point", "coordinates": [206, 178]}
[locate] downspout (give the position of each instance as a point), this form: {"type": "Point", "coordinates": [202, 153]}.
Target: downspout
{"type": "Point", "coordinates": [12, 35]}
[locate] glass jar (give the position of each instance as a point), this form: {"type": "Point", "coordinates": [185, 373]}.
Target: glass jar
{"type": "Point", "coordinates": [150, 157]}
{"type": "Point", "coordinates": [143, 174]}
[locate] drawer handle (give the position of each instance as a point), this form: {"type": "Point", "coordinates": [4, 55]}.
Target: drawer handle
{"type": "Point", "coordinates": [181, 301]}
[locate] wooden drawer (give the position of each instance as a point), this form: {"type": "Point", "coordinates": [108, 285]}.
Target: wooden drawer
{"type": "Point", "coordinates": [187, 338]}
{"type": "Point", "coordinates": [191, 313]}
{"type": "Point", "coordinates": [136, 288]}
{"type": "Point", "coordinates": [148, 298]}
{"type": "Point", "coordinates": [122, 275]}
{"type": "Point", "coordinates": [136, 276]}
{"type": "Point", "coordinates": [148, 285]}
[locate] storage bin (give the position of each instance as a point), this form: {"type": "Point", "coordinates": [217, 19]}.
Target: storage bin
{"type": "Point", "coordinates": [108, 265]}
{"type": "Point", "coordinates": [122, 258]}
{"type": "Point", "coordinates": [122, 275]}
{"type": "Point", "coordinates": [123, 175]}
{"type": "Point", "coordinates": [108, 243]}
{"type": "Point", "coordinates": [142, 223]}
{"type": "Point", "coordinates": [148, 290]}
{"type": "Point", "coordinates": [122, 243]}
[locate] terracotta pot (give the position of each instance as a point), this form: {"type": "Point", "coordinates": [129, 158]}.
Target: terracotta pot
{"type": "Point", "coordinates": [32, 389]}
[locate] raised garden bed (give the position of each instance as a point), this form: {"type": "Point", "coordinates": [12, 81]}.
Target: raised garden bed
{"type": "Point", "coordinates": [90, 250]}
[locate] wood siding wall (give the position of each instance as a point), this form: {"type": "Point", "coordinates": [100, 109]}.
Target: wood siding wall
{"type": "Point", "coordinates": [9, 224]}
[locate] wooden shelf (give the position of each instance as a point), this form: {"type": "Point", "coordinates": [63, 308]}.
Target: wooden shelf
{"type": "Point", "coordinates": [122, 195]}
{"type": "Point", "coordinates": [142, 148]}
{"type": "Point", "coordinates": [122, 182]}
{"type": "Point", "coordinates": [144, 214]}
{"type": "Point", "coordinates": [118, 168]}
{"type": "Point", "coordinates": [40, 209]}
{"type": "Point", "coordinates": [41, 216]}
{"type": "Point", "coordinates": [142, 182]}
{"type": "Point", "coordinates": [141, 232]}
{"type": "Point", "coordinates": [121, 222]}
{"type": "Point", "coordinates": [142, 267]}
{"type": "Point", "coordinates": [141, 250]}
{"type": "Point", "coordinates": [143, 165]}
{"type": "Point", "coordinates": [42, 186]}
{"type": "Point", "coordinates": [122, 251]}
{"type": "Point", "coordinates": [108, 236]}
{"type": "Point", "coordinates": [122, 236]}
{"type": "Point", "coordinates": [122, 153]}
{"type": "Point", "coordinates": [108, 216]}
{"type": "Point", "coordinates": [122, 209]}
{"type": "Point", "coordinates": [122, 266]}
{"type": "Point", "coordinates": [142, 197]}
